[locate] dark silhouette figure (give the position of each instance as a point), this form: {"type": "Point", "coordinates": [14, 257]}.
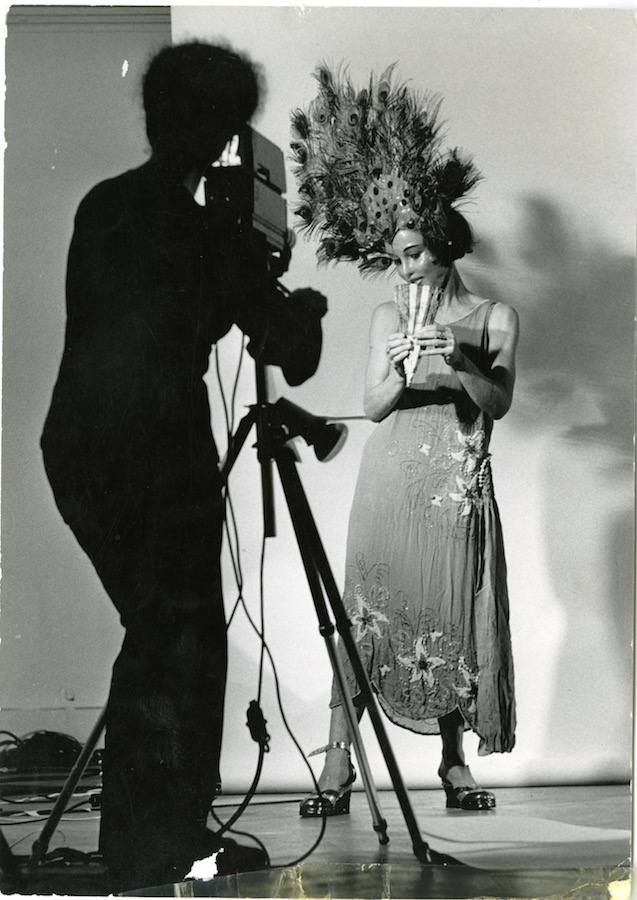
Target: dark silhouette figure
{"type": "Point", "coordinates": [153, 281]}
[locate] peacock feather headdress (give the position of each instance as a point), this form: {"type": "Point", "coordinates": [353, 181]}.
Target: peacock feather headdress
{"type": "Point", "coordinates": [369, 162]}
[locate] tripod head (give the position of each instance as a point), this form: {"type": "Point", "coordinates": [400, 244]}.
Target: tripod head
{"type": "Point", "coordinates": [277, 423]}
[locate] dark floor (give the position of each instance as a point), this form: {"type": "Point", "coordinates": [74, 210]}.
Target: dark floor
{"type": "Point", "coordinates": [543, 842]}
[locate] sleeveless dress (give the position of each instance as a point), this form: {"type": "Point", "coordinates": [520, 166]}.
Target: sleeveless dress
{"type": "Point", "coordinates": [425, 586]}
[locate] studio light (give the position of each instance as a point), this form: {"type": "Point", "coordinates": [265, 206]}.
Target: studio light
{"type": "Point", "coordinates": [325, 437]}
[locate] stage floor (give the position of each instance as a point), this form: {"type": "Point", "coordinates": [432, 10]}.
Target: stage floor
{"type": "Point", "coordinates": [543, 842]}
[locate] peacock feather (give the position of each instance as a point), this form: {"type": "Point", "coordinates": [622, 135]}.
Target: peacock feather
{"type": "Point", "coordinates": [369, 161]}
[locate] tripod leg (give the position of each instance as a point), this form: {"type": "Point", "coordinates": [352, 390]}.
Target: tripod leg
{"type": "Point", "coordinates": [297, 501]}
{"type": "Point", "coordinates": [41, 844]}
{"type": "Point", "coordinates": [380, 825]}
{"type": "Point", "coordinates": [13, 879]}
{"type": "Point", "coordinates": [326, 628]}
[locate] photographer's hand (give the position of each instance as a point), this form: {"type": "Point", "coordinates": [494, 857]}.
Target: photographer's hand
{"type": "Point", "coordinates": [307, 300]}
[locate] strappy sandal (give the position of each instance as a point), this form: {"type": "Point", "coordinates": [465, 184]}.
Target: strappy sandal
{"type": "Point", "coordinates": [467, 797]}
{"type": "Point", "coordinates": [330, 802]}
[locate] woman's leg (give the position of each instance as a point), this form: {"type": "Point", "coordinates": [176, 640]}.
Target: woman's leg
{"type": "Point", "coordinates": [453, 767]}
{"type": "Point", "coordinates": [461, 790]}
{"type": "Point", "coordinates": [336, 769]}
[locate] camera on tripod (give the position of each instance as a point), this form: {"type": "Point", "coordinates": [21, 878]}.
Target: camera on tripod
{"type": "Point", "coordinates": [245, 188]}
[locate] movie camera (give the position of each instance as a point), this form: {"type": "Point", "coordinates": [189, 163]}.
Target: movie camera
{"type": "Point", "coordinates": [246, 188]}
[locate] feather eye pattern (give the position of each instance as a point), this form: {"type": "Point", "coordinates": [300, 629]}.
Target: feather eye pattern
{"type": "Point", "coordinates": [370, 160]}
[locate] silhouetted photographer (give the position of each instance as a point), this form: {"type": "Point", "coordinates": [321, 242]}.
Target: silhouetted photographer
{"type": "Point", "coordinates": [154, 280]}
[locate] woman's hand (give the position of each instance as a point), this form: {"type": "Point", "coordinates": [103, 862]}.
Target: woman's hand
{"type": "Point", "coordinates": [439, 340]}
{"type": "Point", "coordinates": [399, 346]}
{"type": "Point", "coordinates": [385, 375]}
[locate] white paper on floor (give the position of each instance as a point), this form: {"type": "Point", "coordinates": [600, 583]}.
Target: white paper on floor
{"type": "Point", "coordinates": [490, 840]}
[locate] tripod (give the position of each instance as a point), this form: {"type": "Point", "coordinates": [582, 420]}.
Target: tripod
{"type": "Point", "coordinates": [276, 424]}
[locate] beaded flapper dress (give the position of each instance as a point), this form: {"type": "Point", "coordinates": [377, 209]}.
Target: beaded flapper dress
{"type": "Point", "coordinates": [425, 586]}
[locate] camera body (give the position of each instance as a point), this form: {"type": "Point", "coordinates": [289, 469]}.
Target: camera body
{"type": "Point", "coordinates": [246, 187]}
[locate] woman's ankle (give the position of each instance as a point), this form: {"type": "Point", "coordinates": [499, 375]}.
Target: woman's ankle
{"type": "Point", "coordinates": [336, 769]}
{"type": "Point", "coordinates": [451, 762]}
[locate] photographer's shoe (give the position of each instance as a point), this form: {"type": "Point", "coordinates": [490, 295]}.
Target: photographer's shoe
{"type": "Point", "coordinates": [233, 858]}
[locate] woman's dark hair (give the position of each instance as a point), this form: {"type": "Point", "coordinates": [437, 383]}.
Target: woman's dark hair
{"type": "Point", "coordinates": [192, 88]}
{"type": "Point", "coordinates": [457, 240]}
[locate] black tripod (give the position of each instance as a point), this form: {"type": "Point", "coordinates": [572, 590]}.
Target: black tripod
{"type": "Point", "coordinates": [276, 424]}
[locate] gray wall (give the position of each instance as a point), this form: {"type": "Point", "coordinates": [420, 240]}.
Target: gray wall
{"type": "Point", "coordinates": [72, 118]}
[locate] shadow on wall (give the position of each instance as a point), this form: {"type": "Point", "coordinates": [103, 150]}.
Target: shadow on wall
{"type": "Point", "coordinates": [574, 407]}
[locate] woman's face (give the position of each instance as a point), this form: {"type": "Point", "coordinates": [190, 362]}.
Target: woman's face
{"type": "Point", "coordinates": [412, 259]}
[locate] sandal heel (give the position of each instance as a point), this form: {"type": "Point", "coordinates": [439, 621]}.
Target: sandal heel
{"type": "Point", "coordinates": [452, 800]}
{"type": "Point", "coordinates": [341, 807]}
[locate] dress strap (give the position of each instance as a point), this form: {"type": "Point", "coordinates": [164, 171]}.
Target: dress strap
{"type": "Point", "coordinates": [484, 346]}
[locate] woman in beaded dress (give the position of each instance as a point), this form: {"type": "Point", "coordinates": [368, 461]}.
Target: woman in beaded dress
{"type": "Point", "coordinates": [425, 586]}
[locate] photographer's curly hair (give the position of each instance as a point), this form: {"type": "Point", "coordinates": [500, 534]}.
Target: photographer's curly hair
{"type": "Point", "coordinates": [189, 88]}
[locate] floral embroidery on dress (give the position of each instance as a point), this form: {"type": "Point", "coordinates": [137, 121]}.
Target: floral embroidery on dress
{"type": "Point", "coordinates": [365, 619]}
{"type": "Point", "coordinates": [429, 664]}
{"type": "Point", "coordinates": [365, 597]}
{"type": "Point", "coordinates": [422, 663]}
{"type": "Point", "coordinates": [476, 468]}
{"type": "Point", "coordinates": [472, 452]}
{"type": "Point", "coordinates": [462, 496]}
{"type": "Point", "coordinates": [469, 688]}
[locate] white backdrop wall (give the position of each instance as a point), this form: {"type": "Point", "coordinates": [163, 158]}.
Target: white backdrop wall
{"type": "Point", "coordinates": [545, 103]}
{"type": "Point", "coordinates": [544, 100]}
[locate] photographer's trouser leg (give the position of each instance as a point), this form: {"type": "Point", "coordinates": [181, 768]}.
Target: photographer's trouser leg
{"type": "Point", "coordinates": [163, 739]}
{"type": "Point", "coordinates": [156, 548]}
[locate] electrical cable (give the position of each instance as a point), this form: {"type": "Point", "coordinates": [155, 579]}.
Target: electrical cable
{"type": "Point", "coordinates": [68, 855]}
{"type": "Point", "coordinates": [266, 649]}
{"type": "Point", "coordinates": [235, 387]}
{"type": "Point", "coordinates": [40, 798]}
{"type": "Point", "coordinates": [244, 834]}
{"type": "Point", "coordinates": [30, 815]}
{"type": "Point", "coordinates": [262, 738]}
{"type": "Point", "coordinates": [229, 409]}
{"type": "Point", "coordinates": [278, 802]}
{"type": "Point", "coordinates": [262, 617]}
{"type": "Point", "coordinates": [25, 837]}
{"type": "Point", "coordinates": [240, 601]}
{"type": "Point", "coordinates": [227, 825]}
{"type": "Point", "coordinates": [238, 575]}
